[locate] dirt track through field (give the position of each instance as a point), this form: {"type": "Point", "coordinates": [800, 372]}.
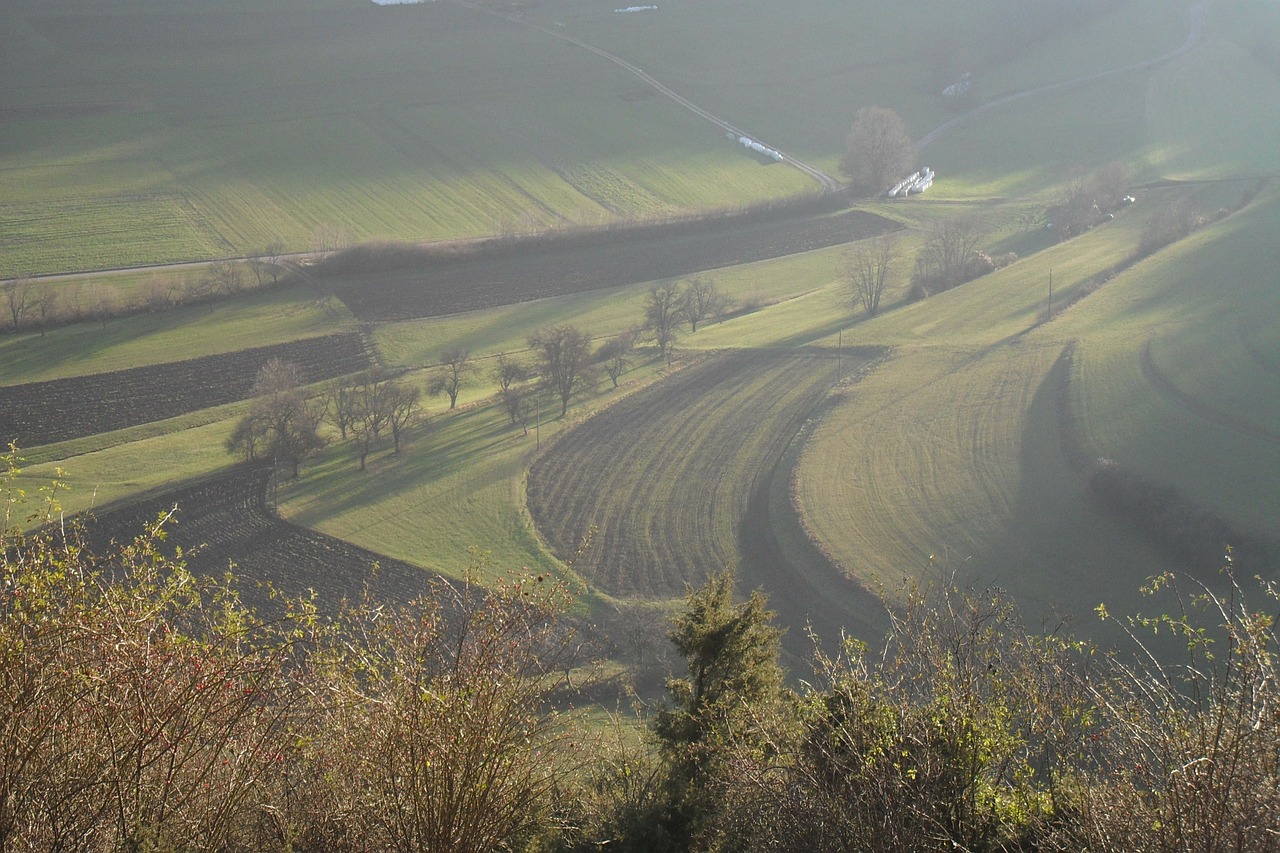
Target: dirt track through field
{"type": "Point", "coordinates": [683, 479]}
{"type": "Point", "coordinates": [829, 184]}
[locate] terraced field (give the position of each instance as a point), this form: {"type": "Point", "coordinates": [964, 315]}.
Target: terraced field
{"type": "Point", "coordinates": [672, 483]}
{"type": "Point", "coordinates": [38, 413]}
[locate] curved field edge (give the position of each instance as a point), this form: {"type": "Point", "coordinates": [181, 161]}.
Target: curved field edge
{"type": "Point", "coordinates": [674, 482]}
{"type": "Point", "coordinates": [225, 522]}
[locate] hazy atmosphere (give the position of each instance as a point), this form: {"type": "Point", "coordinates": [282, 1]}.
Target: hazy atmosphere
{"type": "Point", "coordinates": [947, 330]}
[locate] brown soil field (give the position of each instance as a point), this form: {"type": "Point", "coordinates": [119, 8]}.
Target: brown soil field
{"type": "Point", "coordinates": [39, 413]}
{"type": "Point", "coordinates": [443, 285]}
{"type": "Point", "coordinates": [226, 521]}
{"type": "Point", "coordinates": [688, 477]}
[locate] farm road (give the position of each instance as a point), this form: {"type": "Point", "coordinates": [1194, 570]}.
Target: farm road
{"type": "Point", "coordinates": [678, 481]}
{"type": "Point", "coordinates": [1197, 14]}
{"type": "Point", "coordinates": [829, 184]}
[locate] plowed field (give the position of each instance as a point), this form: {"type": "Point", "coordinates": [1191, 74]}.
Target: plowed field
{"type": "Point", "coordinates": [226, 520]}
{"type": "Point", "coordinates": [673, 482]}
{"type": "Point", "coordinates": [447, 287]}
{"type": "Point", "coordinates": [39, 413]}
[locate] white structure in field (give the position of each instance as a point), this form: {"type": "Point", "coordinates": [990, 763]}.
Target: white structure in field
{"type": "Point", "coordinates": [748, 142]}
{"type": "Point", "coordinates": [637, 9]}
{"type": "Point", "coordinates": [913, 184]}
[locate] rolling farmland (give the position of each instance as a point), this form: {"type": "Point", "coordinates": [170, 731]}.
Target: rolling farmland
{"type": "Point", "coordinates": [327, 123]}
{"type": "Point", "coordinates": [667, 485]}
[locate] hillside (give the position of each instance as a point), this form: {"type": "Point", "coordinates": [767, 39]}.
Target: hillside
{"type": "Point", "coordinates": [971, 446]}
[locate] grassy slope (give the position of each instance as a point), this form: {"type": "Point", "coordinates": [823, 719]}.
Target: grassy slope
{"type": "Point", "coordinates": [144, 134]}
{"type": "Point", "coordinates": [952, 450]}
{"type": "Point", "coordinates": [972, 459]}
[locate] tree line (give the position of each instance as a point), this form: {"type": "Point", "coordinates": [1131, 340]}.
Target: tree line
{"type": "Point", "coordinates": [284, 422]}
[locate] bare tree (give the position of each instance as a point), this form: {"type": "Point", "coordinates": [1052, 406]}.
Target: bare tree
{"type": "Point", "coordinates": [510, 374]}
{"type": "Point", "coordinates": [949, 256]}
{"type": "Point", "coordinates": [868, 271]}
{"type": "Point", "coordinates": [343, 397]}
{"type": "Point", "coordinates": [878, 150]}
{"type": "Point", "coordinates": [103, 301]}
{"type": "Point", "coordinates": [615, 355]}
{"type": "Point", "coordinates": [663, 314]}
{"type": "Point", "coordinates": [18, 295]}
{"type": "Point", "coordinates": [266, 263]}
{"type": "Point", "coordinates": [702, 299]}
{"type": "Point", "coordinates": [455, 367]}
{"type": "Point", "coordinates": [372, 414]}
{"type": "Point", "coordinates": [46, 305]}
{"type": "Point", "coordinates": [1087, 200]}
{"type": "Point", "coordinates": [281, 424]}
{"type": "Point", "coordinates": [403, 410]}
{"type": "Point", "coordinates": [564, 355]}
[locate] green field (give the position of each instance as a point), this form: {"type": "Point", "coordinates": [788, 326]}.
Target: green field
{"type": "Point", "coordinates": [320, 123]}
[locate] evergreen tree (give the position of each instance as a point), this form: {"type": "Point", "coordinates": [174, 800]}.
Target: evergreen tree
{"type": "Point", "coordinates": [734, 679]}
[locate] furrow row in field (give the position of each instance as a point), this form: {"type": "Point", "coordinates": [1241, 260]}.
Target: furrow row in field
{"type": "Point", "coordinates": [40, 413]}
{"type": "Point", "coordinates": [922, 460]}
{"type": "Point", "coordinates": [662, 480]}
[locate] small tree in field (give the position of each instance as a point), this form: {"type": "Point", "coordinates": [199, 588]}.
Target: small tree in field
{"type": "Point", "coordinates": [868, 271]}
{"type": "Point", "coordinates": [403, 410]}
{"type": "Point", "coordinates": [564, 359]}
{"type": "Point", "coordinates": [702, 300]}
{"type": "Point", "coordinates": [281, 424]}
{"type": "Point", "coordinates": [878, 150]}
{"type": "Point", "coordinates": [615, 355]}
{"type": "Point", "coordinates": [18, 294]}
{"type": "Point", "coordinates": [510, 376]}
{"type": "Point", "coordinates": [663, 314]}
{"type": "Point", "coordinates": [455, 367]}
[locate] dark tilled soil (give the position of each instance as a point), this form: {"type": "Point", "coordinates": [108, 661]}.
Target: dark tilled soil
{"type": "Point", "coordinates": [451, 285]}
{"type": "Point", "coordinates": [225, 522]}
{"type": "Point", "coordinates": [39, 413]}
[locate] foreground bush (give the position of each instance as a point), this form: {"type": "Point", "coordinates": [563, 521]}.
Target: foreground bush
{"type": "Point", "coordinates": [142, 708]}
